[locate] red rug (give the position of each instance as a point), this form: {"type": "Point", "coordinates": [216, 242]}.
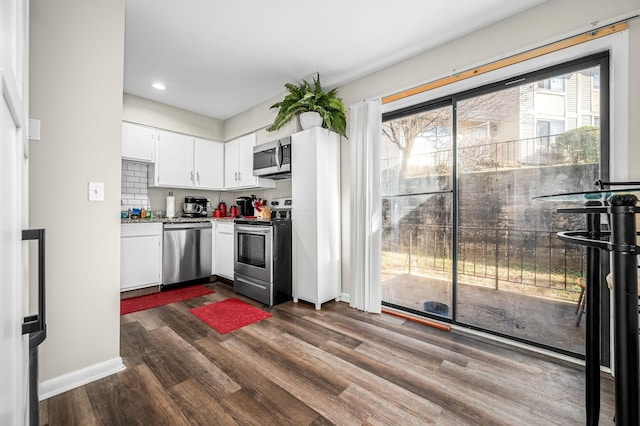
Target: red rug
{"type": "Point", "coordinates": [149, 301]}
{"type": "Point", "coordinates": [229, 315]}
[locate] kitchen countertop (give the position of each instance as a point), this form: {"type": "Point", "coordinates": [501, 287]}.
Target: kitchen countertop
{"type": "Point", "coordinates": [177, 219]}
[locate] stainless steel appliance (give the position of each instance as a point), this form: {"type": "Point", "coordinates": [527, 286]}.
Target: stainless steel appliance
{"type": "Point", "coordinates": [186, 252]}
{"type": "Point", "coordinates": [245, 206]}
{"type": "Point", "coordinates": [273, 159]}
{"type": "Point", "coordinates": [262, 258]}
{"type": "Point", "coordinates": [194, 206]}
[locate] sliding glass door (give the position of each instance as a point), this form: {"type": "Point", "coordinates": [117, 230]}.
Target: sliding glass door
{"type": "Point", "coordinates": [463, 238]}
{"type": "Point", "coordinates": [417, 209]}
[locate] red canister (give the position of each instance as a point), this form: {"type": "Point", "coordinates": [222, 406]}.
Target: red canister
{"type": "Point", "coordinates": [233, 211]}
{"type": "Point", "coordinates": [223, 208]}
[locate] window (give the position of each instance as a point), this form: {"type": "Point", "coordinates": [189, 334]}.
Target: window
{"type": "Point", "coordinates": [463, 240]}
{"type": "Point", "coordinates": [556, 84]}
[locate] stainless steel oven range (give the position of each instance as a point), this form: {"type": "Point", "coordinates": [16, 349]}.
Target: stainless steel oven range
{"type": "Point", "coordinates": [262, 256]}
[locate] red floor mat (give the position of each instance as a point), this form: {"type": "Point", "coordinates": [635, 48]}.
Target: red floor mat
{"type": "Point", "coordinates": [163, 298]}
{"type": "Point", "coordinates": [229, 315]}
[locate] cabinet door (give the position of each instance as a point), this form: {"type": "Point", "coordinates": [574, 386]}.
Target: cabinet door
{"type": "Point", "coordinates": [231, 164]}
{"type": "Point", "coordinates": [138, 142]}
{"type": "Point", "coordinates": [245, 160]}
{"type": "Point", "coordinates": [174, 160]}
{"type": "Point", "coordinates": [224, 250]}
{"type": "Point", "coordinates": [209, 164]}
{"type": "Point", "coordinates": [315, 181]}
{"type": "Point", "coordinates": [140, 261]}
{"type": "Point", "coordinates": [213, 246]}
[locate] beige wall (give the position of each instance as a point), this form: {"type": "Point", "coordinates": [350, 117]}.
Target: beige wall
{"type": "Point", "coordinates": [144, 111]}
{"type": "Point", "coordinates": [76, 64]}
{"type": "Point", "coordinates": [550, 21]}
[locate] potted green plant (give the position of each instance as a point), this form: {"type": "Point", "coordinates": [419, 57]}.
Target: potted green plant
{"type": "Point", "coordinates": [307, 97]}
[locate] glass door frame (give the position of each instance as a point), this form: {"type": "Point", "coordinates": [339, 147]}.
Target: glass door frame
{"type": "Point", "coordinates": [601, 59]}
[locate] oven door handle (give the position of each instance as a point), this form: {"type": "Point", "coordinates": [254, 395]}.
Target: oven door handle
{"type": "Point", "coordinates": [253, 229]}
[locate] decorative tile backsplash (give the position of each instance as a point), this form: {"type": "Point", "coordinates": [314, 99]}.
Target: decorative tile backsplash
{"type": "Point", "coordinates": [134, 191]}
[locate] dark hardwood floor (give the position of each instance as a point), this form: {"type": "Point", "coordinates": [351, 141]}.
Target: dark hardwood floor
{"type": "Point", "coordinates": [306, 367]}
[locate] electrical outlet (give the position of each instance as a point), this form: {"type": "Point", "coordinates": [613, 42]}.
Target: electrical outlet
{"type": "Point", "coordinates": [96, 191]}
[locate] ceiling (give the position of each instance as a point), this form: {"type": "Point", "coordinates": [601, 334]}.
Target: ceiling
{"type": "Point", "coordinates": [219, 58]}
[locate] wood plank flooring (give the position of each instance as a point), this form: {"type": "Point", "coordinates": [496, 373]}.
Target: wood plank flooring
{"type": "Point", "coordinates": [306, 367]}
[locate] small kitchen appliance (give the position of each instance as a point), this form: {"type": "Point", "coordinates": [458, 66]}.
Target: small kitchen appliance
{"type": "Point", "coordinates": [194, 206]}
{"type": "Point", "coordinates": [245, 206]}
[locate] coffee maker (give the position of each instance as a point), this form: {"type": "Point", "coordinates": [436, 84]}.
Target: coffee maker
{"type": "Point", "coordinates": [245, 206]}
{"type": "Point", "coordinates": [194, 206]}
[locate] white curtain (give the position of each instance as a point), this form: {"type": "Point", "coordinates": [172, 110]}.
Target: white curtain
{"type": "Point", "coordinates": [364, 139]}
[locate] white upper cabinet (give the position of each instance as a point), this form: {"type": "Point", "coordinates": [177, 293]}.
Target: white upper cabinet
{"type": "Point", "coordinates": [184, 161]}
{"type": "Point", "coordinates": [231, 164]}
{"type": "Point", "coordinates": [238, 163]}
{"type": "Point", "coordinates": [208, 164]}
{"type": "Point", "coordinates": [245, 161]}
{"type": "Point", "coordinates": [174, 160]}
{"type": "Point", "coordinates": [138, 142]}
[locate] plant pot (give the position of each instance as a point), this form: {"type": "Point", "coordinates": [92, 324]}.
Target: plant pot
{"type": "Point", "coordinates": [310, 119]}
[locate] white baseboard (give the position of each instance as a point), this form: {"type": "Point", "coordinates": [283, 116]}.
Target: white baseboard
{"type": "Point", "coordinates": [72, 380]}
{"type": "Point", "coordinates": [345, 297]}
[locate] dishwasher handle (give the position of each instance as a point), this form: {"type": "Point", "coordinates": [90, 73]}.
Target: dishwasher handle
{"type": "Point", "coordinates": [187, 225]}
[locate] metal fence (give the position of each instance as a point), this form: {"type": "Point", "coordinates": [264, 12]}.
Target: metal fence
{"type": "Point", "coordinates": [500, 255]}
{"type": "Point", "coordinates": [524, 152]}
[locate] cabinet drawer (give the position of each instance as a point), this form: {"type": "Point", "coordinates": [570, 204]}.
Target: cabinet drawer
{"type": "Point", "coordinates": [140, 229]}
{"type": "Point", "coordinates": [254, 289]}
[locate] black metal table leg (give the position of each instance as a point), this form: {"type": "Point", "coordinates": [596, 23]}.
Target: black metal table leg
{"type": "Point", "coordinates": [626, 347]}
{"type": "Point", "coordinates": [592, 336]}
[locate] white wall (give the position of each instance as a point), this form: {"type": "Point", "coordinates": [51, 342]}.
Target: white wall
{"type": "Point", "coordinates": [550, 21]}
{"type": "Point", "coordinates": [76, 64]}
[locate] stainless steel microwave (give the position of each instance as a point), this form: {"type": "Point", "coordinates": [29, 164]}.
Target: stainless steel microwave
{"type": "Point", "coordinates": [272, 160]}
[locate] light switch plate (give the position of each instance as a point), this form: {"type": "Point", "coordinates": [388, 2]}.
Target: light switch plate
{"type": "Point", "coordinates": [96, 191]}
{"type": "Point", "coordinates": [34, 129]}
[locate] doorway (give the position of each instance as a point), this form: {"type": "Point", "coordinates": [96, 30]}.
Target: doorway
{"type": "Point", "coordinates": [463, 240]}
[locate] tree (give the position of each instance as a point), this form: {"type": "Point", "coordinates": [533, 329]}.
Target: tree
{"type": "Point", "coordinates": [491, 107]}
{"type": "Point", "coordinates": [581, 145]}
{"type": "Point", "coordinates": [404, 132]}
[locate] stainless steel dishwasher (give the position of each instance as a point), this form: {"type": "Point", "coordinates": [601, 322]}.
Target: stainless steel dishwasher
{"type": "Point", "coordinates": [186, 252]}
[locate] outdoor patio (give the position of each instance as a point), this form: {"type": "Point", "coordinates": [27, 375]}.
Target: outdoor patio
{"type": "Point", "coordinates": [533, 318]}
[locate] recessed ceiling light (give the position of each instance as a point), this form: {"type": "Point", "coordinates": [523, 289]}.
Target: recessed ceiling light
{"type": "Point", "coordinates": [158, 85]}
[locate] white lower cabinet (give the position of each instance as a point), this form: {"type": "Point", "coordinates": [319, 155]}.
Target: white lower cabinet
{"type": "Point", "coordinates": [140, 255]}
{"type": "Point", "coordinates": [214, 225]}
{"type": "Point", "coordinates": [224, 249]}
